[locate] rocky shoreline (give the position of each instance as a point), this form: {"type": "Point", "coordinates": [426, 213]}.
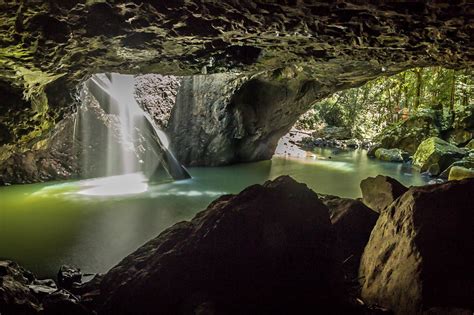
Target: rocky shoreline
{"type": "Point", "coordinates": [280, 248]}
{"type": "Point", "coordinates": [436, 154]}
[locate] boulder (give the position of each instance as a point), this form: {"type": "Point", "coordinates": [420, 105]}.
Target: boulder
{"type": "Point", "coordinates": [420, 253]}
{"type": "Point", "coordinates": [380, 191]}
{"type": "Point", "coordinates": [466, 162]}
{"type": "Point", "coordinates": [470, 145]}
{"type": "Point", "coordinates": [435, 155]}
{"type": "Point", "coordinates": [459, 136]}
{"type": "Point", "coordinates": [372, 148]}
{"type": "Point", "coordinates": [15, 295]}
{"type": "Point", "coordinates": [269, 249]}
{"type": "Point", "coordinates": [408, 134]}
{"type": "Point", "coordinates": [68, 276]}
{"type": "Point", "coordinates": [22, 293]}
{"type": "Point", "coordinates": [458, 173]}
{"type": "Point", "coordinates": [391, 155]}
{"type": "Point", "coordinates": [353, 222]}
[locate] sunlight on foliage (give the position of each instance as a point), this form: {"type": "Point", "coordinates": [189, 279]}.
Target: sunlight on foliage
{"type": "Point", "coordinates": [387, 100]}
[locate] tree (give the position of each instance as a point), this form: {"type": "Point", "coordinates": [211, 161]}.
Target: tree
{"type": "Point", "coordinates": [368, 109]}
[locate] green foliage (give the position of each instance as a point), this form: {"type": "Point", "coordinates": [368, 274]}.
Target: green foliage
{"type": "Point", "coordinates": [387, 100]}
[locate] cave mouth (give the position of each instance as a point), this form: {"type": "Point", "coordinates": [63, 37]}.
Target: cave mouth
{"type": "Point", "coordinates": [212, 122]}
{"type": "Point", "coordinates": [102, 181]}
{"type": "Point", "coordinates": [390, 112]}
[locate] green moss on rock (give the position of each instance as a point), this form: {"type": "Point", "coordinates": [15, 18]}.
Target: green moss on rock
{"type": "Point", "coordinates": [459, 173]}
{"type": "Point", "coordinates": [470, 145]}
{"type": "Point", "coordinates": [391, 155]}
{"type": "Point", "coordinates": [435, 155]}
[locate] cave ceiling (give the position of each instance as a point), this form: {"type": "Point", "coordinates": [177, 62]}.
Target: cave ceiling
{"type": "Point", "coordinates": [47, 47]}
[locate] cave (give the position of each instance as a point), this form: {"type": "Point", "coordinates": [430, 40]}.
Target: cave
{"type": "Point", "coordinates": [236, 157]}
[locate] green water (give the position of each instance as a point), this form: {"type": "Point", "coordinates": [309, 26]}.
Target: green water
{"type": "Point", "coordinates": [43, 226]}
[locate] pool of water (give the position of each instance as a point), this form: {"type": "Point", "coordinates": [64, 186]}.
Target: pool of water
{"type": "Point", "coordinates": [94, 224]}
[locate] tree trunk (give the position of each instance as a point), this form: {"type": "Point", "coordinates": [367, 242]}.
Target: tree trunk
{"type": "Point", "coordinates": [465, 98]}
{"type": "Point", "coordinates": [453, 91]}
{"type": "Point", "coordinates": [419, 82]}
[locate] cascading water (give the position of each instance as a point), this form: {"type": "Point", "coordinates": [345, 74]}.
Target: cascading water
{"type": "Point", "coordinates": [116, 136]}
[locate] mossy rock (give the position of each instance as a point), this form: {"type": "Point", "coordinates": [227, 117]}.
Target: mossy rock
{"type": "Point", "coordinates": [466, 162]}
{"type": "Point", "coordinates": [435, 155]}
{"type": "Point", "coordinates": [470, 145]}
{"type": "Point", "coordinates": [408, 134]}
{"type": "Point", "coordinates": [460, 136]}
{"type": "Point", "coordinates": [459, 173]}
{"type": "Point", "coordinates": [391, 155]}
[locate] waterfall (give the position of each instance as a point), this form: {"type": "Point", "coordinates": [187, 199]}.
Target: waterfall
{"type": "Point", "coordinates": [117, 136]}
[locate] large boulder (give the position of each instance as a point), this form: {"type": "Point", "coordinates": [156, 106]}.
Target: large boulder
{"type": "Point", "coordinates": [380, 191]}
{"type": "Point", "coordinates": [466, 162]}
{"type": "Point", "coordinates": [15, 296]}
{"type": "Point", "coordinates": [372, 149]}
{"type": "Point", "coordinates": [459, 136]}
{"type": "Point", "coordinates": [353, 222]}
{"type": "Point", "coordinates": [407, 135]}
{"type": "Point", "coordinates": [459, 172]}
{"type": "Point", "coordinates": [435, 155]}
{"type": "Point", "coordinates": [421, 251]}
{"type": "Point", "coordinates": [269, 249]}
{"type": "Point", "coordinates": [391, 155]}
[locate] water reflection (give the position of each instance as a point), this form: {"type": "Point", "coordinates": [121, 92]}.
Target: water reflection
{"type": "Point", "coordinates": [92, 224]}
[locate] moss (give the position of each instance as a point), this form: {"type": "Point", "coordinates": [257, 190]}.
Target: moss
{"type": "Point", "coordinates": [459, 173]}
{"type": "Point", "coordinates": [436, 151]}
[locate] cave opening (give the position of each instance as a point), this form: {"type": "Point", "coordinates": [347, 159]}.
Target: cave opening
{"type": "Point", "coordinates": [390, 112]}
{"type": "Point", "coordinates": [236, 157]}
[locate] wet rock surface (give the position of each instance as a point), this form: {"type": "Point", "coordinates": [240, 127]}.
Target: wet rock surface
{"type": "Point", "coordinates": [68, 276]}
{"type": "Point", "coordinates": [380, 191]}
{"type": "Point", "coordinates": [50, 157]}
{"type": "Point", "coordinates": [419, 256]}
{"type": "Point", "coordinates": [268, 249]}
{"type": "Point", "coordinates": [22, 293]}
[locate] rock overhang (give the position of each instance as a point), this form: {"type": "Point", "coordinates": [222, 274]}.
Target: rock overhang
{"type": "Point", "coordinates": [319, 47]}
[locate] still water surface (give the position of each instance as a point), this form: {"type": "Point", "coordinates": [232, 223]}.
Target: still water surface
{"type": "Point", "coordinates": [43, 226]}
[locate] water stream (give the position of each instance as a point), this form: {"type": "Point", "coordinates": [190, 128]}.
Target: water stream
{"type": "Point", "coordinates": [95, 223]}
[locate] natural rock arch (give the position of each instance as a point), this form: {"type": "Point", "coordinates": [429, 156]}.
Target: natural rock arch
{"type": "Point", "coordinates": [309, 49]}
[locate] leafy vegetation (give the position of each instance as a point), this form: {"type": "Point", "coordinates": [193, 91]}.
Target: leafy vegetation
{"type": "Point", "coordinates": [387, 100]}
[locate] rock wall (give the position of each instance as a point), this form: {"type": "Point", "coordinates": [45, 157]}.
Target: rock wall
{"type": "Point", "coordinates": [156, 94]}
{"type": "Point", "coordinates": [224, 118]}
{"type": "Point", "coordinates": [204, 125]}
